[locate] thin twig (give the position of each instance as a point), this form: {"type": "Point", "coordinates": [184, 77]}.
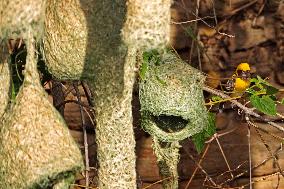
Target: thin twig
{"type": "Point", "coordinates": [190, 21]}
{"type": "Point", "coordinates": [253, 168]}
{"type": "Point", "coordinates": [159, 181]}
{"type": "Point", "coordinates": [211, 103]}
{"type": "Point", "coordinates": [83, 186]}
{"type": "Point", "coordinates": [267, 132]}
{"type": "Point", "coordinates": [233, 170]}
{"type": "Point", "coordinates": [280, 115]}
{"type": "Point", "coordinates": [75, 84]}
{"type": "Point", "coordinates": [73, 101]}
{"type": "Point", "coordinates": [89, 99]}
{"type": "Point", "coordinates": [263, 178]}
{"type": "Point", "coordinates": [196, 168]}
{"type": "Point", "coordinates": [233, 12]}
{"type": "Point", "coordinates": [266, 146]}
{"type": "Point", "coordinates": [90, 117]}
{"type": "Point", "coordinates": [249, 153]}
{"type": "Point", "coordinates": [194, 31]}
{"type": "Point", "coordinates": [58, 95]}
{"type": "Point", "coordinates": [200, 167]}
{"type": "Point", "coordinates": [224, 156]}
{"type": "Point", "coordinates": [214, 13]}
{"type": "Point", "coordinates": [247, 110]}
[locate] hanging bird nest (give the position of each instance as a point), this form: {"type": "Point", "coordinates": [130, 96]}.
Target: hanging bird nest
{"type": "Point", "coordinates": [172, 109]}
{"type": "Point", "coordinates": [36, 148]}
{"type": "Point", "coordinates": [68, 38]}
{"type": "Point", "coordinates": [18, 16]}
{"type": "Point", "coordinates": [172, 102]}
{"type": "Point", "coordinates": [148, 23]}
{"type": "Point", "coordinates": [5, 79]}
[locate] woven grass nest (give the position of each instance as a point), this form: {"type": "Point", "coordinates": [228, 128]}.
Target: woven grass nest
{"type": "Point", "coordinates": [36, 149]}
{"type": "Point", "coordinates": [78, 35]}
{"type": "Point", "coordinates": [5, 79]}
{"type": "Point", "coordinates": [148, 23]}
{"type": "Point", "coordinates": [172, 102]}
{"type": "Point", "coordinates": [68, 37]}
{"type": "Point", "coordinates": [18, 16]}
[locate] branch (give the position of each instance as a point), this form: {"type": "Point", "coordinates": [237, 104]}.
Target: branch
{"type": "Point", "coordinates": [247, 110]}
{"type": "Point", "coordinates": [78, 95]}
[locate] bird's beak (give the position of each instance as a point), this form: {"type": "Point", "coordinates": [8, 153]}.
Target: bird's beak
{"type": "Point", "coordinates": [246, 75]}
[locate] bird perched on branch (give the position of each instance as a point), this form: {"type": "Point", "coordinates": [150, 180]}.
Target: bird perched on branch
{"type": "Point", "coordinates": [240, 80]}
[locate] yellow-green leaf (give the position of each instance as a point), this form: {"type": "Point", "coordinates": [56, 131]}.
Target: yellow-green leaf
{"type": "Point", "coordinates": [199, 139]}
{"type": "Point", "coordinates": [264, 104]}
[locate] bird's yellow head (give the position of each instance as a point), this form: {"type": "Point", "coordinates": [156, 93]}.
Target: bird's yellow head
{"type": "Point", "coordinates": [243, 67]}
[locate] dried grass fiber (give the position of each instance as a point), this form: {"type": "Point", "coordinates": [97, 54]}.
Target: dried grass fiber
{"type": "Point", "coordinates": [148, 23]}
{"type": "Point", "coordinates": [18, 16]}
{"type": "Point", "coordinates": [67, 38]}
{"type": "Point", "coordinates": [5, 79]}
{"type": "Point", "coordinates": [36, 149]}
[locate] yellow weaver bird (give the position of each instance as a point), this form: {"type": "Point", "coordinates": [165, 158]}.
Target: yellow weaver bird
{"type": "Point", "coordinates": [240, 80]}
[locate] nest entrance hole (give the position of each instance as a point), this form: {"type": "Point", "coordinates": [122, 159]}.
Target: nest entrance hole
{"type": "Point", "coordinates": [170, 124]}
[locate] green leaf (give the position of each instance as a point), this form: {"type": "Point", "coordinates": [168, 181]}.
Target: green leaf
{"type": "Point", "coordinates": [211, 129]}
{"type": "Point", "coordinates": [161, 81]}
{"type": "Point", "coordinates": [189, 31]}
{"type": "Point", "coordinates": [199, 139]}
{"type": "Point", "coordinates": [143, 70]}
{"type": "Point", "coordinates": [251, 90]}
{"type": "Point", "coordinates": [262, 80]}
{"type": "Point", "coordinates": [254, 80]}
{"type": "Point", "coordinates": [261, 86]}
{"type": "Point", "coordinates": [216, 98]}
{"type": "Point", "coordinates": [270, 90]}
{"type": "Point", "coordinates": [264, 104]}
{"type": "Point", "coordinates": [152, 56]}
{"type": "Point", "coordinates": [282, 101]}
{"type": "Point", "coordinates": [146, 56]}
{"type": "Point", "coordinates": [273, 97]}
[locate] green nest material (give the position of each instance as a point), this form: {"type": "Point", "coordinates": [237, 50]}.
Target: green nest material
{"type": "Point", "coordinates": [148, 23]}
{"type": "Point", "coordinates": [5, 80]}
{"type": "Point", "coordinates": [172, 102]}
{"type": "Point", "coordinates": [17, 16]}
{"type": "Point", "coordinates": [36, 148]}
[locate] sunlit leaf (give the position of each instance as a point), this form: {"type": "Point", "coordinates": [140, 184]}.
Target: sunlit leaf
{"type": "Point", "coordinates": [199, 139]}
{"type": "Point", "coordinates": [254, 80]}
{"type": "Point", "coordinates": [270, 90]}
{"type": "Point", "coordinates": [264, 104]}
{"type": "Point", "coordinates": [143, 70]}
{"type": "Point", "coordinates": [216, 98]}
